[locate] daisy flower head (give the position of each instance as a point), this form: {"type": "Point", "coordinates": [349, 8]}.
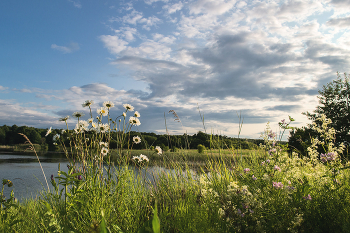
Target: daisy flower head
{"type": "Point", "coordinates": [78, 114]}
{"type": "Point", "coordinates": [48, 131]}
{"type": "Point", "coordinates": [103, 128]}
{"type": "Point", "coordinates": [134, 121]}
{"type": "Point", "coordinates": [104, 151]}
{"type": "Point", "coordinates": [143, 158]}
{"type": "Point", "coordinates": [137, 114]}
{"type": "Point", "coordinates": [88, 103]}
{"type": "Point", "coordinates": [102, 111]}
{"type": "Point", "coordinates": [104, 144]}
{"type": "Point", "coordinates": [64, 118]}
{"type": "Point", "coordinates": [56, 137]}
{"type": "Point", "coordinates": [93, 124]}
{"type": "Point", "coordinates": [108, 104]}
{"type": "Point", "coordinates": [90, 120]}
{"type": "Point", "coordinates": [128, 107]}
{"type": "Point", "coordinates": [136, 139]}
{"type": "Point", "coordinates": [124, 114]}
{"type": "Point", "coordinates": [159, 150]}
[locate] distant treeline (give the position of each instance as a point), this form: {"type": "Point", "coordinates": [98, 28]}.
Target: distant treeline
{"type": "Point", "coordinates": [9, 135]}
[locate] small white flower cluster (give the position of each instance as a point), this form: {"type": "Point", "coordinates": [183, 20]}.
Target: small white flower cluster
{"type": "Point", "coordinates": [140, 160]}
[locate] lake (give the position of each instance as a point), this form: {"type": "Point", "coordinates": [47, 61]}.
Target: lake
{"type": "Point", "coordinates": [28, 179]}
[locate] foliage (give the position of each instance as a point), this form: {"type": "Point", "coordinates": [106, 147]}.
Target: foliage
{"type": "Point", "coordinates": [269, 191]}
{"type": "Point", "coordinates": [334, 103]}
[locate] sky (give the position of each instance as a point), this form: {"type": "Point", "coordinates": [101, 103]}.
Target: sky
{"type": "Point", "coordinates": [204, 59]}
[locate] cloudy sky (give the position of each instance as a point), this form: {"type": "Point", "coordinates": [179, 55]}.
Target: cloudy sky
{"type": "Point", "coordinates": [263, 59]}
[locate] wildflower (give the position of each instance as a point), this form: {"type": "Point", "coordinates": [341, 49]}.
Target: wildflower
{"type": "Point", "coordinates": [277, 168]}
{"type": "Point", "coordinates": [128, 107]}
{"type": "Point", "coordinates": [55, 137]}
{"type": "Point", "coordinates": [48, 131]}
{"type": "Point", "coordinates": [134, 121]}
{"type": "Point", "coordinates": [63, 131]}
{"type": "Point", "coordinates": [307, 198]}
{"type": "Point", "coordinates": [221, 212]}
{"type": "Point", "coordinates": [102, 111]}
{"type": "Point", "coordinates": [254, 178]}
{"type": "Point", "coordinates": [103, 127]}
{"type": "Point", "coordinates": [87, 103]}
{"type": "Point", "coordinates": [137, 114]}
{"type": "Point", "coordinates": [64, 118]}
{"type": "Point", "coordinates": [144, 157]}
{"type": "Point", "coordinates": [90, 120]}
{"type": "Point", "coordinates": [328, 157]}
{"type": "Point", "coordinates": [159, 150]}
{"type": "Point", "coordinates": [277, 185]}
{"type": "Point", "coordinates": [124, 114]}
{"type": "Point", "coordinates": [136, 139]}
{"type": "Point", "coordinates": [268, 161]}
{"type": "Point", "coordinates": [246, 170]}
{"type": "Point", "coordinates": [104, 151]}
{"type": "Point", "coordinates": [80, 177]}
{"type": "Point", "coordinates": [104, 144]}
{"type": "Point", "coordinates": [52, 177]}
{"type": "Point", "coordinates": [108, 104]}
{"type": "Point", "coordinates": [78, 114]}
{"type": "Point", "coordinates": [271, 134]}
{"type": "Point", "coordinates": [262, 163]}
{"type": "Point", "coordinates": [93, 124]}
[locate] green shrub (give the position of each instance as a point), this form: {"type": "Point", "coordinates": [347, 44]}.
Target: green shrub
{"type": "Point", "coordinates": [200, 148]}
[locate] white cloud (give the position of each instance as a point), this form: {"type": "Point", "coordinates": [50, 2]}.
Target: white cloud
{"type": "Point", "coordinates": [72, 47]}
{"type": "Point", "coordinates": [173, 8]}
{"type": "Point", "coordinates": [2, 88]}
{"type": "Point", "coordinates": [114, 43]}
{"type": "Point", "coordinates": [77, 4]}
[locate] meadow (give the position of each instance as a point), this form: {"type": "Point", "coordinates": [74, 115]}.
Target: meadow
{"type": "Point", "coordinates": [222, 190]}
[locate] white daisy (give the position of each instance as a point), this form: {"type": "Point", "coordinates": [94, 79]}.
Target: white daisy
{"type": "Point", "coordinates": [78, 114]}
{"type": "Point", "coordinates": [87, 103]}
{"type": "Point", "coordinates": [56, 137]}
{"type": "Point", "coordinates": [134, 121]}
{"type": "Point", "coordinates": [104, 151]}
{"type": "Point", "coordinates": [137, 114]}
{"type": "Point", "coordinates": [64, 118]}
{"type": "Point", "coordinates": [48, 131]}
{"type": "Point", "coordinates": [90, 120]}
{"type": "Point", "coordinates": [128, 107]}
{"type": "Point", "coordinates": [104, 144]}
{"type": "Point", "coordinates": [124, 114]}
{"type": "Point", "coordinates": [102, 111]}
{"type": "Point", "coordinates": [136, 139]}
{"type": "Point", "coordinates": [103, 128]}
{"type": "Point", "coordinates": [143, 158]}
{"type": "Point", "coordinates": [159, 150]}
{"type": "Point", "coordinates": [108, 104]}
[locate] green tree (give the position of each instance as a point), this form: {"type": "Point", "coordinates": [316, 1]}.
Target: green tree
{"type": "Point", "coordinates": [334, 103]}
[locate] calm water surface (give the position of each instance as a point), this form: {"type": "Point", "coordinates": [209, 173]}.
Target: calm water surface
{"type": "Point", "coordinates": [28, 179]}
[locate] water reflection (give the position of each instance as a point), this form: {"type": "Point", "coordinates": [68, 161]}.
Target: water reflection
{"type": "Point", "coordinates": [27, 177]}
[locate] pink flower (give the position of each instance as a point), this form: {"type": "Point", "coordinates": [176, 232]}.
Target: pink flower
{"type": "Point", "coordinates": [277, 185]}
{"type": "Point", "coordinates": [246, 170]}
{"type": "Point", "coordinates": [254, 178]}
{"type": "Point", "coordinates": [277, 168]}
{"type": "Point", "coordinates": [308, 197]}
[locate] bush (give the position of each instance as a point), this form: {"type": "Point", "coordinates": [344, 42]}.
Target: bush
{"type": "Point", "coordinates": [200, 148]}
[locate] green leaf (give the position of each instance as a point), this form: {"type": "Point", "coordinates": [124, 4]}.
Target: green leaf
{"type": "Point", "coordinates": [155, 221]}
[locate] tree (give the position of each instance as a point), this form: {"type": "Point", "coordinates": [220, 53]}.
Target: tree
{"type": "Point", "coordinates": [334, 103]}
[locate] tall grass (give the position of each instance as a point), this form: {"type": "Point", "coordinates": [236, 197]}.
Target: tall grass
{"type": "Point", "coordinates": [265, 191]}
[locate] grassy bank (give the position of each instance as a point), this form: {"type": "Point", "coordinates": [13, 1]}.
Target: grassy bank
{"type": "Point", "coordinates": [265, 190]}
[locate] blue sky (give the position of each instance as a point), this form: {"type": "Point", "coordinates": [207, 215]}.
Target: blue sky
{"type": "Point", "coordinates": [265, 59]}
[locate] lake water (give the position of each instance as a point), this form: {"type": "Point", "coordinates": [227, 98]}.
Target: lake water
{"type": "Point", "coordinates": [27, 177]}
